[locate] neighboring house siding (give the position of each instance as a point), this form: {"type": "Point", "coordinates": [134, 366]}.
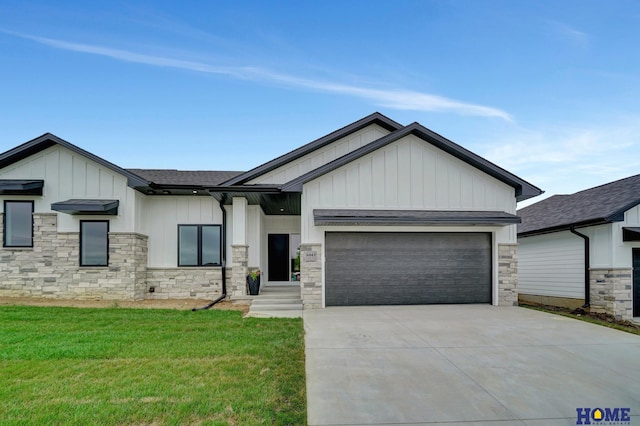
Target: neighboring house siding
{"type": "Point", "coordinates": [551, 265]}
{"type": "Point", "coordinates": [69, 175]}
{"type": "Point", "coordinates": [406, 174]}
{"type": "Point", "coordinates": [321, 156]}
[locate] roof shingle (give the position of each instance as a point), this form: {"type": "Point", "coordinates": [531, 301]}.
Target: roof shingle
{"type": "Point", "coordinates": [602, 204]}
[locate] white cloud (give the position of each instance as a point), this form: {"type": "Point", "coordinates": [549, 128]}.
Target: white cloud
{"type": "Point", "coordinates": [567, 159]}
{"type": "Point", "coordinates": [570, 33]}
{"type": "Point", "coordinates": [396, 99]}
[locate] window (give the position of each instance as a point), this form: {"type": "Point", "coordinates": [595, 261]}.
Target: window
{"type": "Point", "coordinates": [94, 242]}
{"type": "Point", "coordinates": [18, 224]}
{"type": "Point", "coordinates": [199, 245]}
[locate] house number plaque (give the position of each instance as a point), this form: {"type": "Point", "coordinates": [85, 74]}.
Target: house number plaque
{"type": "Point", "coordinates": [310, 256]}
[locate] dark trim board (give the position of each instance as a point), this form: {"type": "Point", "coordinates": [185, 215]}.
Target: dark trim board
{"type": "Point", "coordinates": [636, 282]}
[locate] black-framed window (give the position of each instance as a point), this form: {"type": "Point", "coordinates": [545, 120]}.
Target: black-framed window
{"type": "Point", "coordinates": [199, 245]}
{"type": "Point", "coordinates": [94, 243]}
{"type": "Point", "coordinates": [18, 224]}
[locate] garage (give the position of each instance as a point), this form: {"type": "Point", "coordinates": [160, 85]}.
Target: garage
{"type": "Point", "coordinates": [391, 268]}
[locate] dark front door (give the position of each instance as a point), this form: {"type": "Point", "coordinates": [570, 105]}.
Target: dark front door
{"type": "Point", "coordinates": [636, 282]}
{"type": "Point", "coordinates": [278, 253]}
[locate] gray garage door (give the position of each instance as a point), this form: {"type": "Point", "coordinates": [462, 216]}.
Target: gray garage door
{"type": "Point", "coordinates": [370, 268]}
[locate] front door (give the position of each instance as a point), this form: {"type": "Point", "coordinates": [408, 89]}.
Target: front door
{"type": "Point", "coordinates": [636, 282]}
{"type": "Point", "coordinates": [278, 254]}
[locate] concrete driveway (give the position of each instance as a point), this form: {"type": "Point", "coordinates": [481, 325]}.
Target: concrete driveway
{"type": "Point", "coordinates": [464, 364]}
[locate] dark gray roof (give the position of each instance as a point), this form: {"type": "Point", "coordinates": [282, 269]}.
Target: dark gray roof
{"type": "Point", "coordinates": [184, 177]}
{"type": "Point", "coordinates": [47, 140]}
{"type": "Point", "coordinates": [524, 190]}
{"type": "Point", "coordinates": [411, 217]}
{"type": "Point", "coordinates": [375, 118]}
{"type": "Point", "coordinates": [602, 204]}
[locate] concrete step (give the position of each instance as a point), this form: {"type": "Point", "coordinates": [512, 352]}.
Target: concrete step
{"type": "Point", "coordinates": [276, 314]}
{"type": "Point", "coordinates": [275, 306]}
{"type": "Point", "coordinates": [276, 300]}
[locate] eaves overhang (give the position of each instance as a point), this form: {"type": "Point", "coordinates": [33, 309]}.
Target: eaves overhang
{"type": "Point", "coordinates": [48, 140]}
{"type": "Point", "coordinates": [375, 118]}
{"type": "Point", "coordinates": [523, 189]}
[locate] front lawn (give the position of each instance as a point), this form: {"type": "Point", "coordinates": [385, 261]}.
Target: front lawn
{"type": "Point", "coordinates": [135, 366]}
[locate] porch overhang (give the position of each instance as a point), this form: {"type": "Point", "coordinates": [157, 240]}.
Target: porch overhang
{"type": "Point", "coordinates": [269, 198]}
{"type": "Point", "coordinates": [21, 187]}
{"type": "Point", "coordinates": [89, 207]}
{"type": "Point", "coordinates": [335, 217]}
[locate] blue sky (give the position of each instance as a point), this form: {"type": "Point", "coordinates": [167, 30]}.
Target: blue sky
{"type": "Point", "coordinates": [549, 90]}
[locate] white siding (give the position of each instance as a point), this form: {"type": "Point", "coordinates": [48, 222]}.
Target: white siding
{"type": "Point", "coordinates": [407, 174]}
{"type": "Point", "coordinates": [551, 265]}
{"type": "Point", "coordinates": [69, 175]}
{"type": "Point", "coordinates": [164, 214]}
{"type": "Point", "coordinates": [322, 156]}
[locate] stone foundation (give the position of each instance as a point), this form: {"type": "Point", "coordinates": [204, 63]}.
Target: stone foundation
{"type": "Point", "coordinates": [507, 274]}
{"type": "Point", "coordinates": [311, 275]}
{"type": "Point", "coordinates": [51, 269]}
{"type": "Point", "coordinates": [183, 283]}
{"type": "Point", "coordinates": [611, 292]}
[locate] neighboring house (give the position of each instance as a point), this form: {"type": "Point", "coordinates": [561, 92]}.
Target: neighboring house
{"type": "Point", "coordinates": [584, 249]}
{"type": "Point", "coordinates": [380, 213]}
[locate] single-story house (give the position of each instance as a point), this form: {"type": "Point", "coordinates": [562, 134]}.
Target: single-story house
{"type": "Point", "coordinates": [583, 249]}
{"type": "Point", "coordinates": [373, 213]}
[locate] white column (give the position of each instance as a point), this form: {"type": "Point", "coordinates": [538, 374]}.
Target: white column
{"type": "Point", "coordinates": [239, 221]}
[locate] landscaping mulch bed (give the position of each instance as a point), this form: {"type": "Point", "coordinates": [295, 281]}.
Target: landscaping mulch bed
{"type": "Point", "coordinates": [596, 317]}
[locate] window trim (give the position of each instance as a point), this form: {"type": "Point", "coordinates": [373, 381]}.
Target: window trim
{"type": "Point", "coordinates": [4, 223]}
{"type": "Point", "coordinates": [81, 246]}
{"type": "Point", "coordinates": [199, 245]}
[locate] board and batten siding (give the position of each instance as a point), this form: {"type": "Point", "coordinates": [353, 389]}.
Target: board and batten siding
{"type": "Point", "coordinates": [164, 214]}
{"type": "Point", "coordinates": [322, 156]}
{"type": "Point", "coordinates": [551, 265]}
{"type": "Point", "coordinates": [407, 174]}
{"type": "Point", "coordinates": [69, 175]}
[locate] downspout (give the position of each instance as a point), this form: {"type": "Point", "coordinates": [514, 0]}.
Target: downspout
{"type": "Point", "coordinates": [223, 237]}
{"type": "Point", "coordinates": [587, 284]}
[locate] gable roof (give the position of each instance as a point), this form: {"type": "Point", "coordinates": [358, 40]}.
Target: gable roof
{"type": "Point", "coordinates": [601, 204]}
{"type": "Point", "coordinates": [524, 190]}
{"type": "Point", "coordinates": [170, 177]}
{"type": "Point", "coordinates": [48, 140]}
{"type": "Point", "coordinates": [375, 118]}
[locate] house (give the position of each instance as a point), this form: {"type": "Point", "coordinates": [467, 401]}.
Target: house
{"type": "Point", "coordinates": [374, 213]}
{"type": "Point", "coordinates": [583, 249]}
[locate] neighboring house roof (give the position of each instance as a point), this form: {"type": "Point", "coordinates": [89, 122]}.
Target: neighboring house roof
{"type": "Point", "coordinates": [48, 140]}
{"type": "Point", "coordinates": [524, 190]}
{"type": "Point", "coordinates": [375, 118]}
{"type": "Point", "coordinates": [602, 204]}
{"type": "Point", "coordinates": [184, 177]}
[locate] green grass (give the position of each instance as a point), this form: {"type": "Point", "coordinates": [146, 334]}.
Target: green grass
{"type": "Point", "coordinates": [621, 325]}
{"type": "Point", "coordinates": [134, 367]}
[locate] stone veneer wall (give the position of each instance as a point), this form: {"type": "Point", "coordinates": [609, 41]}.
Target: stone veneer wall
{"type": "Point", "coordinates": [52, 267]}
{"type": "Point", "coordinates": [311, 275]}
{"type": "Point", "coordinates": [184, 283]}
{"type": "Point", "coordinates": [611, 292]}
{"type": "Point", "coordinates": [507, 274]}
{"type": "Point", "coordinates": [239, 270]}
